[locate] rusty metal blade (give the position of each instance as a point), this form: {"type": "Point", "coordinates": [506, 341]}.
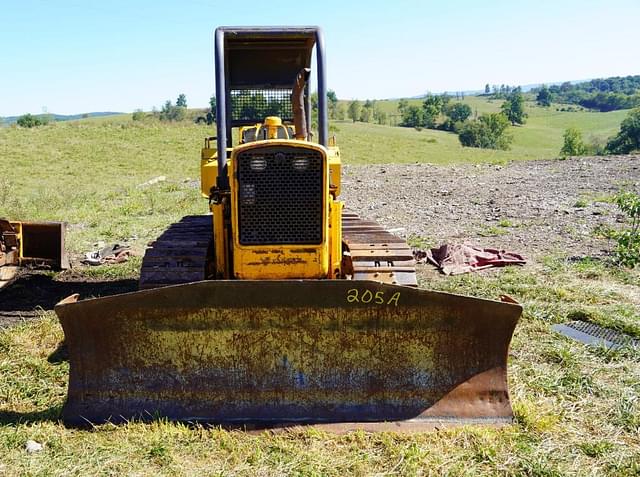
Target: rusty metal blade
{"type": "Point", "coordinates": [269, 353]}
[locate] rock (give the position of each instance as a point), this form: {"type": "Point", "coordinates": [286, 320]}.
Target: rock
{"type": "Point", "coordinates": [153, 181]}
{"type": "Point", "coordinates": [33, 446]}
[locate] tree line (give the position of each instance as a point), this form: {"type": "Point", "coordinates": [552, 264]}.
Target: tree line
{"type": "Point", "coordinates": [608, 94]}
{"type": "Point", "coordinates": [487, 131]}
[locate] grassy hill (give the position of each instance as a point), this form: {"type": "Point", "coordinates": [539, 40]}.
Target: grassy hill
{"type": "Point", "coordinates": [539, 138]}
{"type": "Point", "coordinates": [62, 117]}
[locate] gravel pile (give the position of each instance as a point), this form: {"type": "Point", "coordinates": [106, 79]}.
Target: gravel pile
{"type": "Point", "coordinates": [533, 207]}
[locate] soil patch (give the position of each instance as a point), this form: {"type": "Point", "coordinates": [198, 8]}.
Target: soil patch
{"type": "Point", "coordinates": [535, 207]}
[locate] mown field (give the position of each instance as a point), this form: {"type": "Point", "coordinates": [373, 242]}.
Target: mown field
{"type": "Point", "coordinates": [539, 138]}
{"type": "Point", "coordinates": [577, 408]}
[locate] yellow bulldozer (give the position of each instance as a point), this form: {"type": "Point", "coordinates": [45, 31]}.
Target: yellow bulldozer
{"type": "Point", "coordinates": [280, 307]}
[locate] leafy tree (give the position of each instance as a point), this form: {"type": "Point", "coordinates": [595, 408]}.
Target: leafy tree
{"type": "Point", "coordinates": [628, 249]}
{"type": "Point", "coordinates": [366, 113]}
{"type": "Point", "coordinates": [487, 89]}
{"type": "Point", "coordinates": [628, 138]}
{"type": "Point", "coordinates": [544, 96]}
{"type": "Point", "coordinates": [413, 116]}
{"type": "Point", "coordinates": [169, 112]}
{"type": "Point", "coordinates": [458, 112]}
{"type": "Point", "coordinates": [30, 121]}
{"type": "Point", "coordinates": [402, 106]}
{"type": "Point", "coordinates": [211, 114]}
{"type": "Point", "coordinates": [138, 115]}
{"type": "Point", "coordinates": [354, 110]}
{"type": "Point", "coordinates": [332, 104]}
{"type": "Point", "coordinates": [432, 107]}
{"type": "Point", "coordinates": [181, 102]}
{"type": "Point", "coordinates": [573, 144]}
{"type": "Point", "coordinates": [379, 116]}
{"type": "Point", "coordinates": [513, 107]}
{"type": "Point", "coordinates": [488, 132]}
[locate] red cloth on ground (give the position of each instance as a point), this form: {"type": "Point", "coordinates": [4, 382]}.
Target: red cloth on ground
{"type": "Point", "coordinates": [454, 259]}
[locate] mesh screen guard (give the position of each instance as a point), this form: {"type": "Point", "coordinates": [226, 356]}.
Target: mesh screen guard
{"type": "Point", "coordinates": [251, 106]}
{"type": "Point", "coordinates": [280, 196]}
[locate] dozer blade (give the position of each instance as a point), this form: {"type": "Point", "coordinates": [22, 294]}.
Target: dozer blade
{"type": "Point", "coordinates": [347, 354]}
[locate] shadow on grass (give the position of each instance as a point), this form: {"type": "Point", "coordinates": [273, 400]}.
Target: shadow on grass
{"type": "Point", "coordinates": [60, 355]}
{"type": "Point", "coordinates": [13, 418]}
{"type": "Point", "coordinates": [32, 293]}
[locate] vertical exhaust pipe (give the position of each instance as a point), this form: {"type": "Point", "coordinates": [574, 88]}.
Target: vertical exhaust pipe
{"type": "Point", "coordinates": [297, 101]}
{"type": "Point", "coordinates": [221, 110]}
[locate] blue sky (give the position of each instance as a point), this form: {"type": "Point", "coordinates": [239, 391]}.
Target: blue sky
{"type": "Point", "coordinates": [73, 56]}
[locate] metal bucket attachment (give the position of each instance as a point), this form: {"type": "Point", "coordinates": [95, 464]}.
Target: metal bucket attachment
{"type": "Point", "coordinates": [346, 354]}
{"type": "Point", "coordinates": [43, 242]}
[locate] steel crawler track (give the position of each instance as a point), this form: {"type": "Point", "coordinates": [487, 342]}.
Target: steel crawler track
{"type": "Point", "coordinates": [180, 254]}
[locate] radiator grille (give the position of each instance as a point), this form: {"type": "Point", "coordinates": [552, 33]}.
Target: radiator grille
{"type": "Point", "coordinates": [280, 196]}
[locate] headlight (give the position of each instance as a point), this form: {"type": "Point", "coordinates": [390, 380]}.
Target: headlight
{"type": "Point", "coordinates": [300, 163]}
{"type": "Point", "coordinates": [258, 164]}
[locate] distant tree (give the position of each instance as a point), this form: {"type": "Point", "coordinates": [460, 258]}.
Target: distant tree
{"type": "Point", "coordinates": [30, 121]}
{"type": "Point", "coordinates": [354, 110]}
{"type": "Point", "coordinates": [379, 116]}
{"type": "Point", "coordinates": [628, 138]}
{"type": "Point", "coordinates": [487, 89]}
{"type": "Point", "coordinates": [573, 144]}
{"type": "Point", "coordinates": [513, 108]}
{"type": "Point", "coordinates": [566, 86]}
{"type": "Point", "coordinates": [402, 106]}
{"type": "Point", "coordinates": [366, 112]}
{"type": "Point", "coordinates": [544, 96]}
{"type": "Point", "coordinates": [211, 114]}
{"type": "Point", "coordinates": [169, 112]}
{"type": "Point", "coordinates": [181, 102]}
{"type": "Point", "coordinates": [332, 104]}
{"type": "Point", "coordinates": [413, 116]}
{"type": "Point", "coordinates": [138, 115]}
{"type": "Point", "coordinates": [458, 112]}
{"type": "Point", "coordinates": [488, 132]}
{"type": "Point", "coordinates": [432, 107]}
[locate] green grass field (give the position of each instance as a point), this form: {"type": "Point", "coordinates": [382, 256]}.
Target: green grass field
{"type": "Point", "coordinates": [577, 408]}
{"type": "Point", "coordinates": [539, 138]}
